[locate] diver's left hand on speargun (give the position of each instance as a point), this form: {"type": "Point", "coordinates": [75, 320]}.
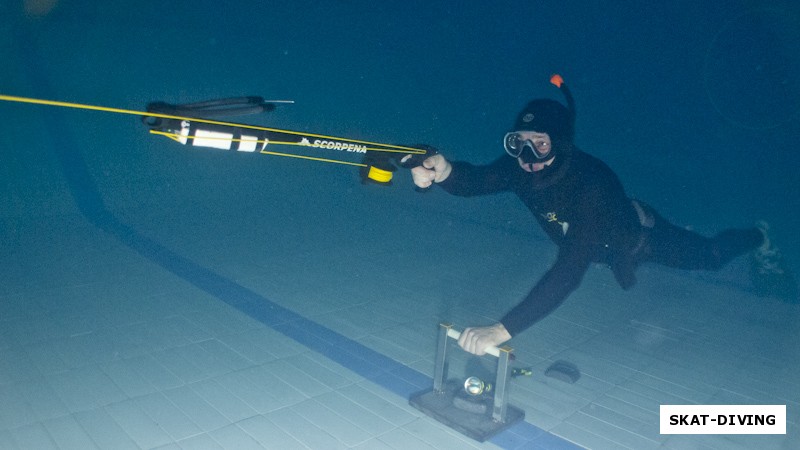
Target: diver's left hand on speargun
{"type": "Point", "coordinates": [427, 169]}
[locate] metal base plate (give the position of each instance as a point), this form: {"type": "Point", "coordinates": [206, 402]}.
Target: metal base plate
{"type": "Point", "coordinates": [477, 426]}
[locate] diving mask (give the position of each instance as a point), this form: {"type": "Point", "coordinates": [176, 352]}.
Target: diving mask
{"type": "Point", "coordinates": [515, 144]}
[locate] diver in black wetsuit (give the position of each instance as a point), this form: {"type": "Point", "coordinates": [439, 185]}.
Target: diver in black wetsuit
{"type": "Point", "coordinates": [582, 206]}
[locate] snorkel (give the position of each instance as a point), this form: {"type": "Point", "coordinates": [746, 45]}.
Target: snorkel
{"type": "Point", "coordinates": [558, 81]}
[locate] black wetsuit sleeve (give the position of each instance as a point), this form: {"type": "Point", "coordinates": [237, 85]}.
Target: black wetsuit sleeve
{"type": "Point", "coordinates": [552, 289]}
{"type": "Point", "coordinates": [467, 180]}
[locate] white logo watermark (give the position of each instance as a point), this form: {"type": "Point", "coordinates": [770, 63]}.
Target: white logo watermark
{"type": "Point", "coordinates": [723, 419]}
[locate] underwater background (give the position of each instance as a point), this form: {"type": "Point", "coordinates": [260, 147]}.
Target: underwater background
{"type": "Point", "coordinates": [140, 276]}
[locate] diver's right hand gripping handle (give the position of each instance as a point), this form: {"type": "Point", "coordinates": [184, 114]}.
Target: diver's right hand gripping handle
{"type": "Point", "coordinates": [416, 160]}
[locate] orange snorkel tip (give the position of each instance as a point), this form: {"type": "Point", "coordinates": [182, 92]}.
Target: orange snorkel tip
{"type": "Point", "coordinates": [557, 80]}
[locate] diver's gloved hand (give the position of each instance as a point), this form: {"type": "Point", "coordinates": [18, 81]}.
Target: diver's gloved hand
{"type": "Point", "coordinates": [434, 169]}
{"type": "Point", "coordinates": [476, 340]}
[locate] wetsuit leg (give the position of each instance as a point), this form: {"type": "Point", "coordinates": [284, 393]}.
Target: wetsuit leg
{"type": "Point", "coordinates": [678, 247]}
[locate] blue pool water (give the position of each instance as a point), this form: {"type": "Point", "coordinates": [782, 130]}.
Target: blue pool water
{"type": "Point", "coordinates": [157, 296]}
